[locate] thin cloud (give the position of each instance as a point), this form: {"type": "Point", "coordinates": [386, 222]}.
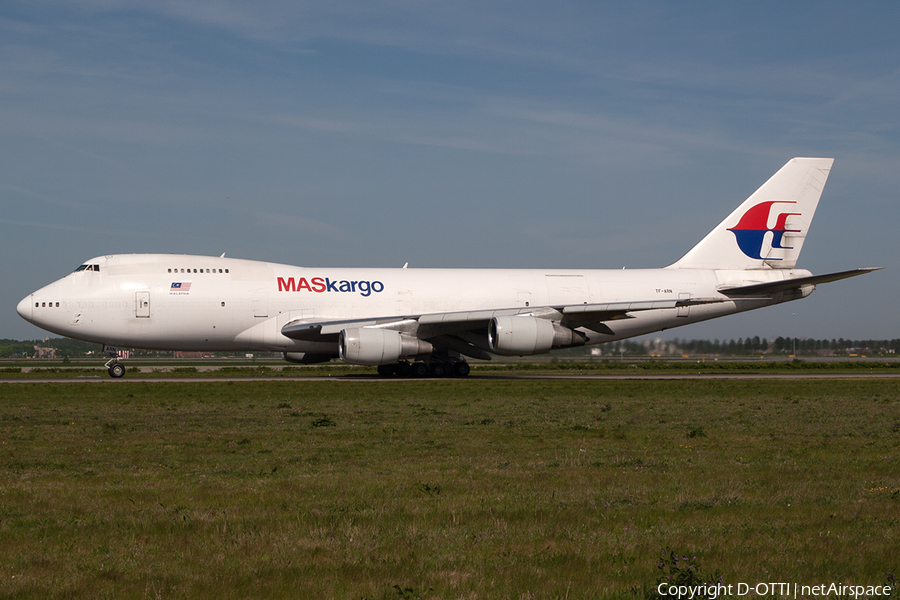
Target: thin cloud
{"type": "Point", "coordinates": [298, 225]}
{"type": "Point", "coordinates": [316, 124]}
{"type": "Point", "coordinates": [45, 199]}
{"type": "Point", "coordinates": [79, 229]}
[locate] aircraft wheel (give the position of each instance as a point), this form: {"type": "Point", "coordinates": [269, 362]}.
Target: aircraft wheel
{"type": "Point", "coordinates": [419, 369]}
{"type": "Point", "coordinates": [439, 370]}
{"type": "Point", "coordinates": [386, 370]}
{"type": "Point", "coordinates": [402, 369]}
{"type": "Point", "coordinates": [117, 370]}
{"type": "Point", "coordinates": [461, 369]}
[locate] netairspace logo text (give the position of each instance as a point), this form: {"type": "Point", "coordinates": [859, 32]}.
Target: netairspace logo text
{"type": "Point", "coordinates": [778, 590]}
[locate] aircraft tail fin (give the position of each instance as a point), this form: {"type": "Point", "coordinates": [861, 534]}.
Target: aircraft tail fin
{"type": "Point", "coordinates": [767, 231]}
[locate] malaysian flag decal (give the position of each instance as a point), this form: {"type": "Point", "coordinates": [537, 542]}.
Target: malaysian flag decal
{"type": "Point", "coordinates": [180, 286]}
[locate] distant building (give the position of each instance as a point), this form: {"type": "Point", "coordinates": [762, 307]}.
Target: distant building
{"type": "Point", "coordinates": [180, 354]}
{"type": "Point", "coordinates": [41, 352]}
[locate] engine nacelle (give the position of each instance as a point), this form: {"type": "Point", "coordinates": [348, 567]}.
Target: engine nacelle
{"type": "Point", "coordinates": [521, 336]}
{"type": "Point", "coordinates": [370, 346]}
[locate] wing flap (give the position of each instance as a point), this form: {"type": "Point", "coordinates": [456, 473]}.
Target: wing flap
{"type": "Point", "coordinates": [323, 330]}
{"type": "Point", "coordinates": [595, 316]}
{"type": "Point", "coordinates": [433, 325]}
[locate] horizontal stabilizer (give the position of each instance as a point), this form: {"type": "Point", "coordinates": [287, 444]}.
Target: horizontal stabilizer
{"type": "Point", "coordinates": [792, 284]}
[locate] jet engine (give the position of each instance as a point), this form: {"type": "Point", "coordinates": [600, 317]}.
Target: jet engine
{"type": "Point", "coordinates": [521, 335]}
{"type": "Point", "coordinates": [370, 346]}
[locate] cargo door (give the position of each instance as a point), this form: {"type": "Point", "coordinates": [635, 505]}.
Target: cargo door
{"type": "Point", "coordinates": [260, 304]}
{"type": "Point", "coordinates": [142, 305]}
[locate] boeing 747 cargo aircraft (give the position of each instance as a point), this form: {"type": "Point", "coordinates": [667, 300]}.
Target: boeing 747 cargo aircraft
{"type": "Point", "coordinates": [426, 321]}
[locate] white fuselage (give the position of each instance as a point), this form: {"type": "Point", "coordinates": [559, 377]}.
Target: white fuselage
{"type": "Point", "coordinates": [179, 302]}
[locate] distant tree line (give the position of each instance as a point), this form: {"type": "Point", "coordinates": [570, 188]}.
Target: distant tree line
{"type": "Point", "coordinates": [15, 348]}
{"type": "Point", "coordinates": [752, 345]}
{"type": "Point", "coordinates": [64, 347]}
{"type": "Point", "coordinates": [69, 348]}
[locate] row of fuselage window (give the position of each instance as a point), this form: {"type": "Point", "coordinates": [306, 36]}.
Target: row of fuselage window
{"type": "Point", "coordinates": [97, 268]}
{"type": "Point", "coordinates": [122, 304]}
{"type": "Point", "coordinates": [196, 271]}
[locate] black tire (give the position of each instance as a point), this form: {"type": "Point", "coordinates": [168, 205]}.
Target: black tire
{"type": "Point", "coordinates": [117, 370]}
{"type": "Point", "coordinates": [461, 369]}
{"type": "Point", "coordinates": [386, 370]}
{"type": "Point", "coordinates": [439, 370]}
{"type": "Point", "coordinates": [419, 370]}
{"type": "Point", "coordinates": [402, 369]}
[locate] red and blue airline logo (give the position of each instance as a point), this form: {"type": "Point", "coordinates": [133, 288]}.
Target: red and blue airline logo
{"type": "Point", "coordinates": [751, 230]}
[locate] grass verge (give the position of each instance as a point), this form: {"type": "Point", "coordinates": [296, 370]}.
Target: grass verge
{"type": "Point", "coordinates": [442, 489]}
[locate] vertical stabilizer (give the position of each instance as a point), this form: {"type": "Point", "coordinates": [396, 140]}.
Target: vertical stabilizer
{"type": "Point", "coordinates": [767, 231]}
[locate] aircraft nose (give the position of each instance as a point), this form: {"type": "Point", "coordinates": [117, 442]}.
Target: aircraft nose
{"type": "Point", "coordinates": [24, 308]}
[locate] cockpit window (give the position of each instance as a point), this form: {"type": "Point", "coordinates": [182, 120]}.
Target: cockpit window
{"type": "Point", "coordinates": [88, 268]}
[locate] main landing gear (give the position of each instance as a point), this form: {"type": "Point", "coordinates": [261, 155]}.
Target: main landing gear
{"type": "Point", "coordinates": [418, 370]}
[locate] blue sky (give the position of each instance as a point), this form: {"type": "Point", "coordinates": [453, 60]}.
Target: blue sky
{"type": "Point", "coordinates": [463, 134]}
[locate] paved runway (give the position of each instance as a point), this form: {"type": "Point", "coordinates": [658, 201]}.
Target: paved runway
{"type": "Point", "coordinates": [474, 377]}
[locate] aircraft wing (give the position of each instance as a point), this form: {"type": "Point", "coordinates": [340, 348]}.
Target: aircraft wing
{"type": "Point", "coordinates": [759, 289]}
{"type": "Point", "coordinates": [465, 331]}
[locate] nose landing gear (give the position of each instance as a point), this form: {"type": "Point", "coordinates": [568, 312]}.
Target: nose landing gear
{"type": "Point", "coordinates": [115, 369]}
{"type": "Point", "coordinates": [113, 366]}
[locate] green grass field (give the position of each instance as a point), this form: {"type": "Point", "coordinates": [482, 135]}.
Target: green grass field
{"type": "Point", "coordinates": [444, 488]}
{"type": "Point", "coordinates": [194, 368]}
